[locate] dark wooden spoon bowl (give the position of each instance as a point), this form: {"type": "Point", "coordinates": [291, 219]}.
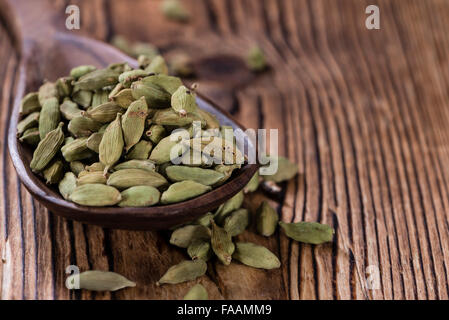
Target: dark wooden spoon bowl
{"type": "Point", "coordinates": [49, 51]}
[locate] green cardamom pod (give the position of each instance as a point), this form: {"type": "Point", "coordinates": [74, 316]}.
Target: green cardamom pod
{"type": "Point", "coordinates": [76, 150]}
{"type": "Point", "coordinates": [30, 121]}
{"type": "Point", "coordinates": [169, 83]}
{"type": "Point", "coordinates": [140, 196]}
{"type": "Point", "coordinates": [200, 249]}
{"type": "Point", "coordinates": [133, 123]}
{"type": "Point", "coordinates": [96, 166]}
{"type": "Point", "coordinates": [267, 219]}
{"type": "Point", "coordinates": [49, 117]}
{"type": "Point", "coordinates": [69, 109]}
{"type": "Point", "coordinates": [31, 136]}
{"type": "Point", "coordinates": [184, 190]}
{"type": "Point", "coordinates": [97, 79]}
{"type": "Point", "coordinates": [64, 86]}
{"type": "Point", "coordinates": [100, 281]}
{"type": "Point", "coordinates": [83, 126]}
{"type": "Point", "coordinates": [255, 256]}
{"type": "Point", "coordinates": [128, 77]}
{"type": "Point", "coordinates": [217, 148]}
{"type": "Point", "coordinates": [123, 98]}
{"type": "Point", "coordinates": [30, 104]}
{"type": "Point", "coordinates": [95, 177]}
{"type": "Point", "coordinates": [175, 10]}
{"type": "Point", "coordinates": [236, 222]}
{"type": "Point", "coordinates": [127, 178]}
{"type": "Point", "coordinates": [83, 98]}
{"type": "Point", "coordinates": [156, 133]}
{"type": "Point", "coordinates": [204, 220]}
{"type": "Point", "coordinates": [229, 206]}
{"type": "Point", "coordinates": [147, 165]}
{"type": "Point", "coordinates": [222, 244]}
{"type": "Point", "coordinates": [161, 153]}
{"type": "Point", "coordinates": [286, 170]}
{"type": "Point", "coordinates": [184, 271]}
{"type": "Point", "coordinates": [157, 66]}
{"type": "Point", "coordinates": [47, 149]}
{"type": "Point", "coordinates": [308, 232]}
{"type": "Point", "coordinates": [253, 184]}
{"type": "Point", "coordinates": [104, 113]}
{"type": "Point", "coordinates": [226, 170]}
{"type": "Point", "coordinates": [80, 71]}
{"type": "Point", "coordinates": [211, 120]}
{"type": "Point", "coordinates": [197, 292]}
{"type": "Point", "coordinates": [168, 117]}
{"type": "Point", "coordinates": [76, 167]}
{"type": "Point", "coordinates": [141, 151]}
{"type": "Point", "coordinates": [54, 172]}
{"type": "Point", "coordinates": [95, 195]}
{"type": "Point", "coordinates": [183, 101]}
{"type": "Point", "coordinates": [206, 177]}
{"type": "Point", "coordinates": [155, 96]}
{"type": "Point", "coordinates": [111, 146]}
{"type": "Point", "coordinates": [184, 236]}
{"type": "Point", "coordinates": [100, 97]}
{"type": "Point", "coordinates": [67, 185]}
{"type": "Point", "coordinates": [46, 91]}
{"type": "Point", "coordinates": [93, 142]}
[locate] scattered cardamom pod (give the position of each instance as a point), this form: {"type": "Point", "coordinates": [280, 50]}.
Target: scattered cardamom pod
{"type": "Point", "coordinates": [222, 244]}
{"type": "Point", "coordinates": [255, 256]}
{"type": "Point", "coordinates": [184, 271]}
{"type": "Point", "coordinates": [184, 236]}
{"type": "Point", "coordinates": [267, 219]}
{"type": "Point", "coordinates": [253, 184]}
{"type": "Point", "coordinates": [236, 222]}
{"type": "Point", "coordinates": [308, 232]}
{"type": "Point", "coordinates": [197, 292]}
{"type": "Point", "coordinates": [286, 170]}
{"type": "Point", "coordinates": [229, 206]}
{"type": "Point", "coordinates": [100, 281]}
{"type": "Point", "coordinates": [200, 249]}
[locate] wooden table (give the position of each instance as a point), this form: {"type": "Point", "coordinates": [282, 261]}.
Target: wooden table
{"type": "Point", "coordinates": [364, 113]}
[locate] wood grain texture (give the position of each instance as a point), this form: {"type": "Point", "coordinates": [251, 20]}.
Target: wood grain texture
{"type": "Point", "coordinates": [364, 114]}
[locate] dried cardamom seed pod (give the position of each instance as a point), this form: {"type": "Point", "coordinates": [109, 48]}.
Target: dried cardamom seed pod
{"type": "Point", "coordinates": [97, 79]}
{"type": "Point", "coordinates": [211, 120]}
{"type": "Point", "coordinates": [161, 153]}
{"type": "Point", "coordinates": [95, 195]}
{"type": "Point", "coordinates": [104, 113]}
{"type": "Point", "coordinates": [229, 206]}
{"type": "Point", "coordinates": [30, 121]}
{"type": "Point", "coordinates": [133, 123]}
{"type": "Point", "coordinates": [141, 151]}
{"type": "Point", "coordinates": [67, 185]}
{"type": "Point", "coordinates": [53, 173]}
{"type": "Point", "coordinates": [308, 232]}
{"type": "Point", "coordinates": [111, 146]}
{"type": "Point", "coordinates": [267, 220]}
{"type": "Point", "coordinates": [96, 166]}
{"type": "Point", "coordinates": [128, 77]}
{"type": "Point", "coordinates": [204, 220]}
{"type": "Point", "coordinates": [100, 97]}
{"type": "Point", "coordinates": [93, 142]}
{"type": "Point", "coordinates": [47, 149]}
{"type": "Point", "coordinates": [64, 86]}
{"type": "Point", "coordinates": [69, 109]}
{"type": "Point", "coordinates": [83, 98]}
{"type": "Point", "coordinates": [123, 98]}
{"type": "Point", "coordinates": [184, 190]}
{"type": "Point", "coordinates": [147, 165]}
{"type": "Point", "coordinates": [155, 96]}
{"type": "Point", "coordinates": [174, 10]}
{"type": "Point", "coordinates": [99, 281]}
{"type": "Point", "coordinates": [184, 236]}
{"type": "Point", "coordinates": [49, 117]}
{"type": "Point", "coordinates": [197, 292]}
{"type": "Point", "coordinates": [76, 167]}
{"type": "Point", "coordinates": [286, 170]}
{"type": "Point", "coordinates": [76, 150]}
{"type": "Point", "coordinates": [226, 170]}
{"type": "Point", "coordinates": [236, 222]}
{"type": "Point", "coordinates": [140, 196]}
{"type": "Point", "coordinates": [170, 84]}
{"type": "Point", "coordinates": [80, 71]}
{"type": "Point", "coordinates": [184, 271]}
{"type": "Point", "coordinates": [156, 133]}
{"type": "Point", "coordinates": [31, 136]}
{"type": "Point", "coordinates": [206, 177]}
{"type": "Point", "coordinates": [217, 148]}
{"type": "Point", "coordinates": [255, 256]}
{"type": "Point", "coordinates": [127, 178]}
{"type": "Point", "coordinates": [200, 249]}
{"type": "Point", "coordinates": [46, 91]}
{"type": "Point", "coordinates": [95, 177]}
{"type": "Point", "coordinates": [183, 101]}
{"type": "Point", "coordinates": [157, 66]}
{"type": "Point", "coordinates": [222, 244]}
{"type": "Point", "coordinates": [253, 184]}
{"type": "Point", "coordinates": [30, 104]}
{"type": "Point", "coordinates": [168, 117]}
{"type": "Point", "coordinates": [83, 126]}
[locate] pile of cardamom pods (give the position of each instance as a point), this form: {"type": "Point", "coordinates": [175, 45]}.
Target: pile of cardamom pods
{"type": "Point", "coordinates": [105, 136]}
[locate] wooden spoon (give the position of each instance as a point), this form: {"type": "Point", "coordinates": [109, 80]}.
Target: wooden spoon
{"type": "Point", "coordinates": [48, 51]}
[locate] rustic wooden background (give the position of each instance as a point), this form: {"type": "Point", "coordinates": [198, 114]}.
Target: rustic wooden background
{"type": "Point", "coordinates": [363, 112]}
